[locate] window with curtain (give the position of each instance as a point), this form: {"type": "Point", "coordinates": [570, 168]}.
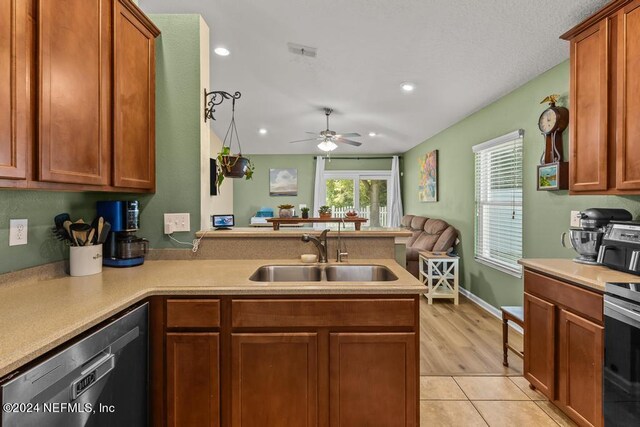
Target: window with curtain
{"type": "Point", "coordinates": [498, 202]}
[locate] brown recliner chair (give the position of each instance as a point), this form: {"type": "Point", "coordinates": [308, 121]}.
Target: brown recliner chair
{"type": "Point", "coordinates": [428, 235]}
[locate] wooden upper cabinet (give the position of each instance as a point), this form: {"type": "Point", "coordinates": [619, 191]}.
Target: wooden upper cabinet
{"type": "Point", "coordinates": [539, 344]}
{"type": "Point", "coordinates": [589, 116]}
{"type": "Point", "coordinates": [581, 352]}
{"type": "Point", "coordinates": [605, 101]}
{"type": "Point", "coordinates": [75, 91]}
{"type": "Point", "coordinates": [628, 99]}
{"type": "Point", "coordinates": [15, 51]}
{"type": "Point", "coordinates": [134, 99]}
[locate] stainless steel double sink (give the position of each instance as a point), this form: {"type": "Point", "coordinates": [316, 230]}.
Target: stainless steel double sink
{"type": "Point", "coordinates": [328, 273]}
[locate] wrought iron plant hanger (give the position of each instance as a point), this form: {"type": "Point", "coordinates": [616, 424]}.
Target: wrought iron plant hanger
{"type": "Point", "coordinates": [215, 98]}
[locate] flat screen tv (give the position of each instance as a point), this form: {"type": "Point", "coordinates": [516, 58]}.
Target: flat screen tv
{"type": "Point", "coordinates": [223, 222]}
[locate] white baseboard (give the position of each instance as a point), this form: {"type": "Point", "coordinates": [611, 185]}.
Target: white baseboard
{"type": "Point", "coordinates": [488, 308]}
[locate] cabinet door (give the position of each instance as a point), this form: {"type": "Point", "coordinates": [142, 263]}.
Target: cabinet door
{"type": "Point", "coordinates": [589, 104]}
{"type": "Point", "coordinates": [274, 380]}
{"type": "Point", "coordinates": [580, 360]}
{"type": "Point", "coordinates": [15, 51]}
{"type": "Point", "coordinates": [75, 91]}
{"type": "Point", "coordinates": [193, 379]}
{"type": "Point", "coordinates": [539, 344]}
{"type": "Point", "coordinates": [373, 379]}
{"type": "Point", "coordinates": [134, 102]}
{"type": "Point", "coordinates": [628, 111]}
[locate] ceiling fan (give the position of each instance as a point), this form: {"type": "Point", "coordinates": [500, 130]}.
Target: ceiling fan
{"type": "Point", "coordinates": [328, 138]}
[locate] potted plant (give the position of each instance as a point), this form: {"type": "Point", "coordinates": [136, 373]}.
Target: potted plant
{"type": "Point", "coordinates": [305, 213]}
{"type": "Point", "coordinates": [324, 211]}
{"type": "Point", "coordinates": [232, 166]}
{"type": "Point", "coordinates": [351, 214]}
{"type": "Point", "coordinates": [286, 211]}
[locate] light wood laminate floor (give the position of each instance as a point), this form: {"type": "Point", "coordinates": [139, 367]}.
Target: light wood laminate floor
{"type": "Point", "coordinates": [463, 382]}
{"type": "Point", "coordinates": [463, 340]}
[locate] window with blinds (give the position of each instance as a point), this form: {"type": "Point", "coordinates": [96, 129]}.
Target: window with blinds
{"type": "Point", "coordinates": [498, 202]}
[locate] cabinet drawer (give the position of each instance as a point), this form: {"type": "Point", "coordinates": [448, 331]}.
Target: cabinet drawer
{"type": "Point", "coordinates": [574, 298]}
{"type": "Point", "coordinates": [193, 313]}
{"type": "Point", "coordinates": [323, 313]}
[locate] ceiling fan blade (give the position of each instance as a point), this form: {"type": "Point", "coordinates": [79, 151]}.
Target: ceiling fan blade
{"type": "Point", "coordinates": [312, 133]}
{"type": "Point", "coordinates": [348, 141]}
{"type": "Point", "coordinates": [303, 140]}
{"type": "Point", "coordinates": [350, 135]}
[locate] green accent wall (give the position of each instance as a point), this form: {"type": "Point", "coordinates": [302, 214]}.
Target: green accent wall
{"type": "Point", "coordinates": [546, 214]}
{"type": "Point", "coordinates": [178, 158]}
{"type": "Point", "coordinates": [249, 196]}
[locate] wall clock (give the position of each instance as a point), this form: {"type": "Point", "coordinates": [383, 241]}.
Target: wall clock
{"type": "Point", "coordinates": [553, 172]}
{"type": "Point", "coordinates": [552, 122]}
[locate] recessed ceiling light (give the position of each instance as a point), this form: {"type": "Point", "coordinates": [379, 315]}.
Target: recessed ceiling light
{"type": "Point", "coordinates": [408, 87]}
{"type": "Point", "coordinates": [222, 51]}
{"type": "Point", "coordinates": [262, 131]}
{"type": "Point", "coordinates": [372, 134]}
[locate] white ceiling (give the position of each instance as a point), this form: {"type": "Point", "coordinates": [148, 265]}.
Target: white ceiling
{"type": "Point", "coordinates": [461, 54]}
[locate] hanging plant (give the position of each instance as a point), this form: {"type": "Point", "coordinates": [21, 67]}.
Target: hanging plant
{"type": "Point", "coordinates": [232, 165]}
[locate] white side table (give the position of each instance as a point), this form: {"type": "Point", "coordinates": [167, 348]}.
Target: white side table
{"type": "Point", "coordinates": [440, 273]}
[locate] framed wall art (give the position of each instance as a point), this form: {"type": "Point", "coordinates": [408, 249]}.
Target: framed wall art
{"type": "Point", "coordinates": [428, 177]}
{"type": "Point", "coordinates": [283, 182]}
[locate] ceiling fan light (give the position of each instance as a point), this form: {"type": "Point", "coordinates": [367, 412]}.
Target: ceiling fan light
{"type": "Point", "coordinates": [327, 145]}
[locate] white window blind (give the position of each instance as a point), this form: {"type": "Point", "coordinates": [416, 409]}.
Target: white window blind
{"type": "Point", "coordinates": [498, 203]}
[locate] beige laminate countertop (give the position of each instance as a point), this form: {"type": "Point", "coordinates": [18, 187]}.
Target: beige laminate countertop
{"type": "Point", "coordinates": [37, 316]}
{"type": "Point", "coordinates": [590, 276]}
{"type": "Point", "coordinates": [269, 232]}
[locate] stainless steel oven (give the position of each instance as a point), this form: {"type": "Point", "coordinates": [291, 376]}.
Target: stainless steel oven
{"type": "Point", "coordinates": [622, 354]}
{"type": "Point", "coordinates": [100, 380]}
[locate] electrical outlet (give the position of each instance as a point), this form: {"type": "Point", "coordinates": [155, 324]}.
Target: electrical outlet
{"type": "Point", "coordinates": [575, 219]}
{"type": "Point", "coordinates": [18, 231]}
{"type": "Point", "coordinates": [177, 222]}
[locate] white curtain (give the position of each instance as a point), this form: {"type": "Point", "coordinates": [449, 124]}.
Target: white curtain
{"type": "Point", "coordinates": [320, 190]}
{"type": "Point", "coordinates": [395, 197]}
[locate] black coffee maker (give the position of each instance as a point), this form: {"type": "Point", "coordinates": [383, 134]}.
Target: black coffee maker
{"type": "Point", "coordinates": [122, 247]}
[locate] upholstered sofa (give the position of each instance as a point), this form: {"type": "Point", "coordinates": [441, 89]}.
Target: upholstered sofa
{"type": "Point", "coordinates": [429, 234]}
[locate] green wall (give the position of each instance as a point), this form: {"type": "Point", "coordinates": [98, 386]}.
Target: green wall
{"type": "Point", "coordinates": [249, 196]}
{"type": "Point", "coordinates": [546, 214]}
{"type": "Point", "coordinates": [177, 163]}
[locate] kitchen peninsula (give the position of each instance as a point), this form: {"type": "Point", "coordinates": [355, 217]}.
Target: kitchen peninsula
{"type": "Point", "coordinates": [213, 330]}
{"type": "Point", "coordinates": [266, 243]}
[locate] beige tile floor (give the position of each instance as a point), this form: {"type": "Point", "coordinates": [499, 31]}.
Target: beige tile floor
{"type": "Point", "coordinates": [485, 401]}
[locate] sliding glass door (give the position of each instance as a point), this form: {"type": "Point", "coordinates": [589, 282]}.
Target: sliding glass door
{"type": "Point", "coordinates": [362, 191]}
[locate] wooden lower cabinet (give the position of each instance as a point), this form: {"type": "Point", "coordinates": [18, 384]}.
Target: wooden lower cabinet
{"type": "Point", "coordinates": [274, 380]}
{"type": "Point", "coordinates": [539, 365]}
{"type": "Point", "coordinates": [564, 345]}
{"type": "Point", "coordinates": [580, 367]}
{"type": "Point", "coordinates": [193, 379]}
{"type": "Point", "coordinates": [232, 361]}
{"type": "Point", "coordinates": [372, 379]}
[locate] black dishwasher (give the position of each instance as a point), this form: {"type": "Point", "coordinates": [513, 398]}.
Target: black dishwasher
{"type": "Point", "coordinates": [622, 354]}
{"type": "Point", "coordinates": [101, 380]}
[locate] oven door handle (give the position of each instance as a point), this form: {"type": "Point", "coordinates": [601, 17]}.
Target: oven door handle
{"type": "Point", "coordinates": [631, 317]}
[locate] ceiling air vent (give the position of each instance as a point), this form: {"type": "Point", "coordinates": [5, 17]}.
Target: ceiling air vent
{"type": "Point", "coordinates": [298, 49]}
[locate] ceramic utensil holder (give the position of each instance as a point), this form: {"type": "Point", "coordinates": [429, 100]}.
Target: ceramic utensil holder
{"type": "Point", "coordinates": [85, 260]}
